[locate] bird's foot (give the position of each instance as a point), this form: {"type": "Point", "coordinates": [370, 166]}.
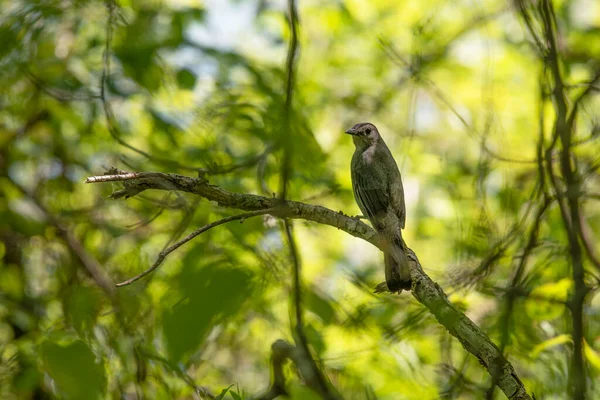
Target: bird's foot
{"type": "Point", "coordinates": [383, 288]}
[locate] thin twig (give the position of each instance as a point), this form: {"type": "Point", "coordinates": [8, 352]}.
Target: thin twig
{"type": "Point", "coordinates": [563, 128]}
{"type": "Point", "coordinates": [89, 263]}
{"type": "Point", "coordinates": [163, 254]}
{"type": "Point", "coordinates": [315, 375]}
{"type": "Point", "coordinates": [513, 290]}
{"type": "Point", "coordinates": [287, 132]}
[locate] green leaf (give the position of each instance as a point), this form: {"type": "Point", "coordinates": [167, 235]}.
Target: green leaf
{"type": "Point", "coordinates": [235, 395]}
{"type": "Point", "coordinates": [186, 79]}
{"type": "Point", "coordinates": [543, 303]}
{"type": "Point", "coordinates": [319, 305]}
{"type": "Point", "coordinates": [74, 368]}
{"type": "Point", "coordinates": [83, 306]}
{"type": "Point", "coordinates": [592, 355]}
{"type": "Point", "coordinates": [315, 339]}
{"type": "Point", "coordinates": [221, 395]}
{"type": "Point", "coordinates": [212, 295]}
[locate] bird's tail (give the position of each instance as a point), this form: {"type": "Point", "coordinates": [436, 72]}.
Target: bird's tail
{"type": "Point", "coordinates": [397, 272]}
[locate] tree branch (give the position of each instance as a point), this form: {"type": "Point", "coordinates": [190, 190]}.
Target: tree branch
{"type": "Point", "coordinates": [427, 292]}
{"type": "Point", "coordinates": [137, 182]}
{"type": "Point", "coordinates": [281, 352]}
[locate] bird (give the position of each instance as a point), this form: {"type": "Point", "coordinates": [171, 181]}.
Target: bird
{"type": "Point", "coordinates": [378, 191]}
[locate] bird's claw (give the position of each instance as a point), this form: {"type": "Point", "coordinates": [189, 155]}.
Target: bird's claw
{"type": "Point", "coordinates": [381, 288]}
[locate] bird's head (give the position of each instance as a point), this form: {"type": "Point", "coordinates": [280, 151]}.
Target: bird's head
{"type": "Point", "coordinates": [364, 134]}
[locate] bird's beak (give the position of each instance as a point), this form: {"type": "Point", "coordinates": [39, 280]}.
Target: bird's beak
{"type": "Point", "coordinates": [351, 131]}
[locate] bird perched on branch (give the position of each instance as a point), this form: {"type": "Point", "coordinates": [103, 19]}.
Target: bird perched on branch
{"type": "Point", "coordinates": [378, 190]}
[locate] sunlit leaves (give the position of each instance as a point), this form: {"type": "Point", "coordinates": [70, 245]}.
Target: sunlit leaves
{"type": "Point", "coordinates": [547, 300]}
{"type": "Point", "coordinates": [592, 355]}
{"type": "Point", "coordinates": [550, 343]}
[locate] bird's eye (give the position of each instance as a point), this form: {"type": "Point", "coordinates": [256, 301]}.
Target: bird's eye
{"type": "Point", "coordinates": [368, 131]}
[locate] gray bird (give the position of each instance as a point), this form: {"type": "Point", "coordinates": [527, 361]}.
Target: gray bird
{"type": "Point", "coordinates": [378, 190]}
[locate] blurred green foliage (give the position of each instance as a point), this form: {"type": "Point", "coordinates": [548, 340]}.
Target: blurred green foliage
{"type": "Point", "coordinates": [74, 369]}
{"type": "Point", "coordinates": [193, 87]}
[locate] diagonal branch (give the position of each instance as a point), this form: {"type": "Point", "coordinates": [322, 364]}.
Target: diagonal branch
{"type": "Point", "coordinates": [427, 292]}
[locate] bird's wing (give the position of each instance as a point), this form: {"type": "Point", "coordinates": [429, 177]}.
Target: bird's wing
{"type": "Point", "coordinates": [398, 200]}
{"type": "Point", "coordinates": [371, 190]}
{"type": "Point", "coordinates": [394, 178]}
